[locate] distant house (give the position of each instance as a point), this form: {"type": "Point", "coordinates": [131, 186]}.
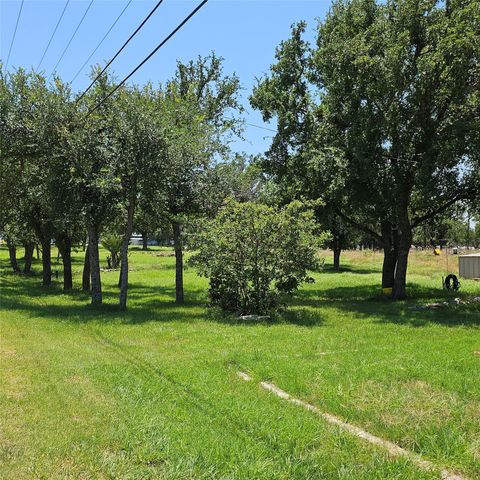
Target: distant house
{"type": "Point", "coordinates": [136, 239]}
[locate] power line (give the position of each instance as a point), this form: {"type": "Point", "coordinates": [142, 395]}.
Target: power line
{"type": "Point", "coordinates": [259, 126]}
{"type": "Point", "coordinates": [101, 41]}
{"type": "Point", "coordinates": [71, 38]}
{"type": "Point", "coordinates": [150, 55]}
{"type": "Point", "coordinates": [53, 34]}
{"type": "Point", "coordinates": [256, 126]}
{"type": "Point", "coordinates": [14, 33]}
{"type": "Point", "coordinates": [121, 48]}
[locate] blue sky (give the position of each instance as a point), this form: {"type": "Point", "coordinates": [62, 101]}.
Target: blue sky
{"type": "Point", "coordinates": [244, 32]}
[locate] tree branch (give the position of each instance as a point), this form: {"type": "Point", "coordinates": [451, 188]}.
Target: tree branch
{"type": "Point", "coordinates": [358, 226]}
{"type": "Point", "coordinates": [461, 196]}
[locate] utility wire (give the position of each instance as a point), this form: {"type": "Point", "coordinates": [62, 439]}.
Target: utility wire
{"type": "Point", "coordinates": [101, 41]}
{"type": "Point", "coordinates": [259, 126]}
{"type": "Point", "coordinates": [121, 48]}
{"type": "Point", "coordinates": [14, 34]}
{"type": "Point", "coordinates": [53, 34]}
{"type": "Point", "coordinates": [150, 55]}
{"type": "Point", "coordinates": [71, 38]}
{"type": "Point", "coordinates": [254, 125]}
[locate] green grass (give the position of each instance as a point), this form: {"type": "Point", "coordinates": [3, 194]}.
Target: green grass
{"type": "Point", "coordinates": [153, 393]}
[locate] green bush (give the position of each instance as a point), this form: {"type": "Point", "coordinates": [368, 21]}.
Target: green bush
{"type": "Point", "coordinates": [252, 254]}
{"type": "Point", "coordinates": [113, 243]}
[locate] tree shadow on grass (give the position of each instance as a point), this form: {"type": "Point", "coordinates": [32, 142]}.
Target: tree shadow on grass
{"type": "Point", "coordinates": [146, 303]}
{"type": "Point", "coordinates": [304, 317]}
{"type": "Point", "coordinates": [351, 269]}
{"type": "Point", "coordinates": [157, 303]}
{"type": "Point", "coordinates": [365, 301]}
{"type": "Point", "coordinates": [298, 316]}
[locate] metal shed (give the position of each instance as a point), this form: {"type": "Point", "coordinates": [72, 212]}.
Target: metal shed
{"type": "Point", "coordinates": [469, 265]}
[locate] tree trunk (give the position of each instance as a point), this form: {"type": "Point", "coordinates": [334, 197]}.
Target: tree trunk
{"type": "Point", "coordinates": [177, 243]}
{"type": "Point", "coordinates": [124, 256]}
{"type": "Point", "coordinates": [468, 230]}
{"type": "Point", "coordinates": [400, 283]}
{"type": "Point", "coordinates": [12, 252]}
{"type": "Point", "coordinates": [336, 258]}
{"type": "Point", "coordinates": [46, 260]}
{"type": "Point", "coordinates": [390, 254]}
{"type": "Point", "coordinates": [119, 284]}
{"type": "Point", "coordinates": [95, 280]}
{"type": "Point", "coordinates": [337, 249]}
{"type": "Point", "coordinates": [145, 241]}
{"type": "Point", "coordinates": [29, 248]}
{"type": "Point", "coordinates": [86, 271]}
{"type": "Point", "coordinates": [388, 269]}
{"type": "Point", "coordinates": [65, 248]}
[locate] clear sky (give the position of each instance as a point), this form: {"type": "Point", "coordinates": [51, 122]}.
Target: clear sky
{"type": "Point", "coordinates": [244, 32]}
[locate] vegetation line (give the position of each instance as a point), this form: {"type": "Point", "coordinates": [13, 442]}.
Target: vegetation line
{"type": "Point", "coordinates": [392, 448]}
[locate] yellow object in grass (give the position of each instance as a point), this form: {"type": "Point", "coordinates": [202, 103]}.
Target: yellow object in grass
{"type": "Point", "coordinates": [437, 251]}
{"type": "Point", "coordinates": [387, 290]}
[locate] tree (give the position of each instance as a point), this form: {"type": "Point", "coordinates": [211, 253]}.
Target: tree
{"type": "Point", "coordinates": [145, 222]}
{"type": "Point", "coordinates": [392, 90]}
{"type": "Point", "coordinates": [8, 170]}
{"type": "Point", "coordinates": [252, 253]}
{"type": "Point", "coordinates": [340, 234]}
{"type": "Point", "coordinates": [31, 114]}
{"type": "Point", "coordinates": [452, 228]}
{"type": "Point", "coordinates": [64, 194]}
{"type": "Point", "coordinates": [240, 178]}
{"type": "Point", "coordinates": [140, 156]}
{"type": "Point", "coordinates": [92, 149]}
{"type": "Point", "coordinates": [195, 129]}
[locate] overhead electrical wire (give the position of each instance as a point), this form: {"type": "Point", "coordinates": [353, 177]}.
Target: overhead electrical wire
{"type": "Point", "coordinates": [254, 125]}
{"type": "Point", "coordinates": [101, 41]}
{"type": "Point", "coordinates": [14, 33]}
{"type": "Point", "coordinates": [150, 55]}
{"type": "Point", "coordinates": [120, 49]}
{"type": "Point", "coordinates": [259, 126]}
{"type": "Point", "coordinates": [71, 38]}
{"type": "Point", "coordinates": [53, 34]}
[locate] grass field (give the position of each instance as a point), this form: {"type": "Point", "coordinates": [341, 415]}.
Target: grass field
{"type": "Point", "coordinates": [154, 394]}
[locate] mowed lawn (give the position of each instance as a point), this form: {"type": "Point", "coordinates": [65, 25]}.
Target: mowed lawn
{"type": "Point", "coordinates": [154, 393]}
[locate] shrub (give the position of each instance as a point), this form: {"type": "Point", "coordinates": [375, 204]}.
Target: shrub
{"type": "Point", "coordinates": [112, 242]}
{"type": "Point", "coordinates": [252, 254]}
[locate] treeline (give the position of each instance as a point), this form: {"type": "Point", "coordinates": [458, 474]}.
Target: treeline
{"type": "Point", "coordinates": [455, 229]}
{"type": "Point", "coordinates": [78, 168]}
